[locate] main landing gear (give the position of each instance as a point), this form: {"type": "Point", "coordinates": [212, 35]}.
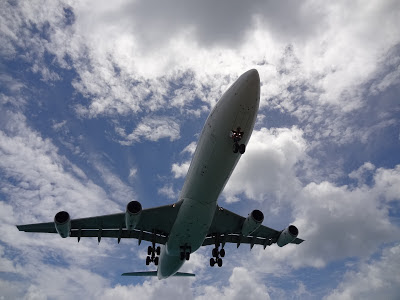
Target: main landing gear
{"type": "Point", "coordinates": [185, 252]}
{"type": "Point", "coordinates": [152, 254]}
{"type": "Point", "coordinates": [217, 254]}
{"type": "Point", "coordinates": [237, 135]}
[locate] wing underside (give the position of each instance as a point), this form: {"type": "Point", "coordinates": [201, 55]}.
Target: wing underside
{"type": "Point", "coordinates": [226, 228]}
{"type": "Point", "coordinates": [154, 225]}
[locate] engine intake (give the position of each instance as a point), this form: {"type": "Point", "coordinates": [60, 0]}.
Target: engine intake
{"type": "Point", "coordinates": [288, 235]}
{"type": "Point", "coordinates": [252, 222]}
{"type": "Point", "coordinates": [62, 223]}
{"type": "Point", "coordinates": [132, 214]}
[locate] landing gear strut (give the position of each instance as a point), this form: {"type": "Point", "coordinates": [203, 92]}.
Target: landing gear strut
{"type": "Point", "coordinates": [152, 254]}
{"type": "Point", "coordinates": [237, 135]}
{"type": "Point", "coordinates": [185, 252]}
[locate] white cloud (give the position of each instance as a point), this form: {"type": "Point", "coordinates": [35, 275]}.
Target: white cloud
{"type": "Point", "coordinates": [268, 165]}
{"type": "Point", "coordinates": [387, 183]}
{"type": "Point", "coordinates": [120, 192]}
{"type": "Point", "coordinates": [190, 148]}
{"type": "Point", "coordinates": [152, 289]}
{"type": "Point", "coordinates": [243, 284]}
{"type": "Point", "coordinates": [320, 68]}
{"type": "Point", "coordinates": [12, 84]}
{"type": "Point", "coordinates": [52, 282]}
{"type": "Point", "coordinates": [330, 217]}
{"type": "Point", "coordinates": [362, 172]}
{"type": "Point", "coordinates": [42, 176]}
{"type": "Point", "coordinates": [168, 190]}
{"type": "Point", "coordinates": [6, 265]}
{"type": "Point", "coordinates": [57, 126]}
{"type": "Point", "coordinates": [315, 67]}
{"type": "Point", "coordinates": [132, 173]}
{"type": "Point", "coordinates": [11, 290]}
{"type": "Point", "coordinates": [40, 183]}
{"type": "Point", "coordinates": [332, 221]}
{"type": "Point", "coordinates": [152, 129]}
{"type": "Point", "coordinates": [377, 279]}
{"type": "Point", "coordinates": [180, 170]}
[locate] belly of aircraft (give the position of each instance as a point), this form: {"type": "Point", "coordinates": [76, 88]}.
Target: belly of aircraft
{"type": "Point", "coordinates": [214, 160]}
{"type": "Point", "coordinates": [191, 226]}
{"type": "Point", "coordinates": [210, 169]}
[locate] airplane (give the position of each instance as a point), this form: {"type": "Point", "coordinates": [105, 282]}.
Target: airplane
{"type": "Point", "coordinates": [196, 219]}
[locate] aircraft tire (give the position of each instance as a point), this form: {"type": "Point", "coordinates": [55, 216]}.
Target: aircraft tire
{"type": "Point", "coordinates": [219, 262]}
{"type": "Point", "coordinates": [148, 259]}
{"type": "Point", "coordinates": [215, 252]}
{"type": "Point", "coordinates": [156, 261]}
{"type": "Point", "coordinates": [242, 148]}
{"type": "Point", "coordinates": [149, 250]}
{"type": "Point", "coordinates": [222, 252]}
{"type": "Point", "coordinates": [158, 250]}
{"type": "Point", "coordinates": [212, 262]}
{"type": "Point", "coordinates": [182, 257]}
{"type": "Point", "coordinates": [235, 148]}
{"type": "Point", "coordinates": [187, 254]}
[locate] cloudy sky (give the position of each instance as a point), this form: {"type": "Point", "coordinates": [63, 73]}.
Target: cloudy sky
{"type": "Point", "coordinates": [102, 102]}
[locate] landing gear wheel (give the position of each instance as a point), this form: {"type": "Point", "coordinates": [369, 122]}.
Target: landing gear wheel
{"type": "Point", "coordinates": [158, 250]}
{"type": "Point", "coordinates": [182, 257]}
{"type": "Point", "coordinates": [215, 252]}
{"type": "Point", "coordinates": [187, 254]}
{"type": "Point", "coordinates": [156, 260]}
{"type": "Point", "coordinates": [222, 252]}
{"type": "Point", "coordinates": [235, 148]}
{"type": "Point", "coordinates": [219, 262]}
{"type": "Point", "coordinates": [148, 260]}
{"type": "Point", "coordinates": [242, 148]}
{"type": "Point", "coordinates": [149, 250]}
{"type": "Point", "coordinates": [212, 262]}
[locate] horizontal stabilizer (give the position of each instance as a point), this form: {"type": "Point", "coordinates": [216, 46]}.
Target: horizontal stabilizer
{"type": "Point", "coordinates": [154, 273]}
{"type": "Point", "coordinates": [181, 274]}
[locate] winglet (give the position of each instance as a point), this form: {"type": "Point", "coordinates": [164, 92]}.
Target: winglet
{"type": "Point", "coordinates": [154, 273]}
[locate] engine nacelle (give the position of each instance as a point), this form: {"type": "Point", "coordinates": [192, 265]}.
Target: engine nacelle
{"type": "Point", "coordinates": [132, 214]}
{"type": "Point", "coordinates": [62, 223]}
{"type": "Point", "coordinates": [287, 235]}
{"type": "Point", "coordinates": [252, 222]}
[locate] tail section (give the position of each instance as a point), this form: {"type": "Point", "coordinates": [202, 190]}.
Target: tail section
{"type": "Point", "coordinates": [154, 273]}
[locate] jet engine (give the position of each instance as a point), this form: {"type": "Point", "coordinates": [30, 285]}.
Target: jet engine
{"type": "Point", "coordinates": [132, 214]}
{"type": "Point", "coordinates": [62, 223]}
{"type": "Point", "coordinates": [287, 235]}
{"type": "Point", "coordinates": [252, 222]}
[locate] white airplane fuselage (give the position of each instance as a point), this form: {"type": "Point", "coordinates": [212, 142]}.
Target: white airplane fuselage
{"type": "Point", "coordinates": [212, 164]}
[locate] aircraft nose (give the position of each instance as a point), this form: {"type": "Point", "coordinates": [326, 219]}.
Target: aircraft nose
{"type": "Point", "coordinates": [251, 86]}
{"type": "Point", "coordinates": [252, 76]}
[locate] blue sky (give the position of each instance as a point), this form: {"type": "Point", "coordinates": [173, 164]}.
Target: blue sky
{"type": "Point", "coordinates": [102, 103]}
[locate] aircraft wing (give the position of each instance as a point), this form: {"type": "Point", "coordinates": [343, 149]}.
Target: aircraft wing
{"type": "Point", "coordinates": [226, 228]}
{"type": "Point", "coordinates": [154, 225]}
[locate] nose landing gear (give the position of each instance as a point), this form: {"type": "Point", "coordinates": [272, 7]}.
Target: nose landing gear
{"type": "Point", "coordinates": [237, 135]}
{"type": "Point", "coordinates": [239, 148]}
